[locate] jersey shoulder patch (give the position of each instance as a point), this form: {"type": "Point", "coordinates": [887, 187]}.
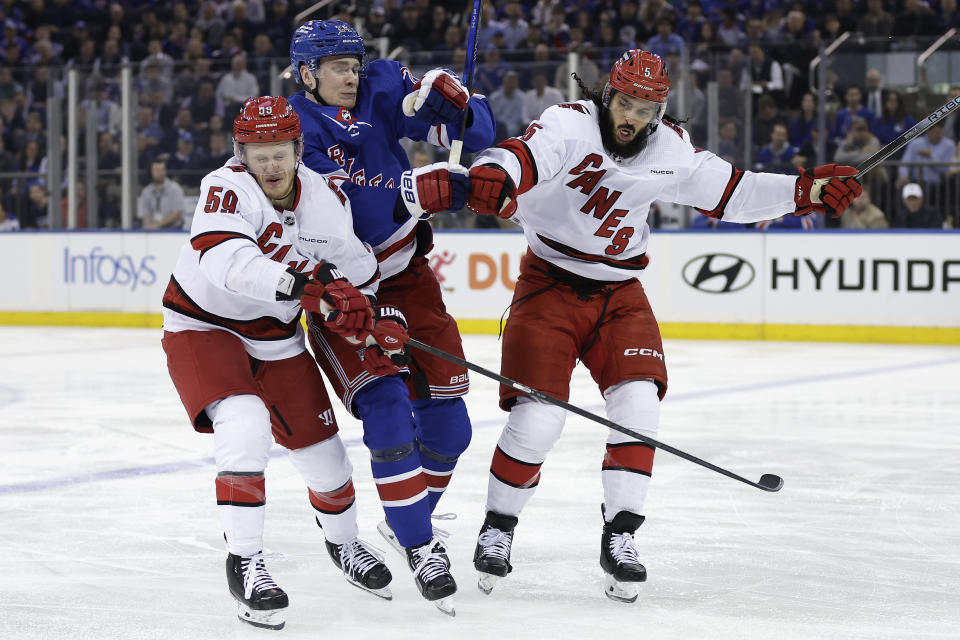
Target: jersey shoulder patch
{"type": "Point", "coordinates": [576, 106]}
{"type": "Point", "coordinates": [673, 127]}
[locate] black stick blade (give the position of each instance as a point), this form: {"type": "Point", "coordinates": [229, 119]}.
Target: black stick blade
{"type": "Point", "coordinates": [770, 482]}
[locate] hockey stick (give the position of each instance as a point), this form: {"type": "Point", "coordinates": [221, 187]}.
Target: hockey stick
{"type": "Point", "coordinates": [895, 145]}
{"type": "Point", "coordinates": [768, 481]}
{"type": "Point", "coordinates": [456, 146]}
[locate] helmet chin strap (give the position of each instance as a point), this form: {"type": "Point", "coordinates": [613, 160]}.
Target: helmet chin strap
{"type": "Point", "coordinates": [315, 92]}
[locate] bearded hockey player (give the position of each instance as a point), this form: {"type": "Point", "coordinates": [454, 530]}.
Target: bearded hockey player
{"type": "Point", "coordinates": [580, 182]}
{"type": "Point", "coordinates": [236, 353]}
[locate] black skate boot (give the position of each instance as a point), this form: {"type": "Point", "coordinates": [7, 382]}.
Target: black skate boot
{"type": "Point", "coordinates": [618, 557]}
{"type": "Point", "coordinates": [260, 601]}
{"type": "Point", "coordinates": [362, 566]}
{"type": "Point", "coordinates": [492, 555]}
{"type": "Point", "coordinates": [431, 572]}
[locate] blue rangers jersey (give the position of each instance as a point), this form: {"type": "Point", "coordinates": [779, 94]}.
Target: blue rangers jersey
{"type": "Point", "coordinates": [359, 148]}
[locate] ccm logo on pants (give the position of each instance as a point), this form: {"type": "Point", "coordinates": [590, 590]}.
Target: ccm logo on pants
{"type": "Point", "coordinates": [633, 351]}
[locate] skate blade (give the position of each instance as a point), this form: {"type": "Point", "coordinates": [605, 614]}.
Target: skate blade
{"type": "Point", "coordinates": [390, 537]}
{"type": "Point", "coordinates": [383, 592]}
{"type": "Point", "coordinates": [445, 605]}
{"type": "Point", "coordinates": [619, 591]}
{"type": "Point", "coordinates": [267, 619]}
{"type": "Point", "coordinates": [486, 582]}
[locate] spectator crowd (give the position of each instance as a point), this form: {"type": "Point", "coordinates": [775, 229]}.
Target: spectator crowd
{"type": "Point", "coordinates": [194, 62]}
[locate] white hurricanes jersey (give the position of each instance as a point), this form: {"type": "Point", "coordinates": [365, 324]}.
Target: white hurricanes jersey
{"type": "Point", "coordinates": [240, 245]}
{"type": "Point", "coordinates": [585, 210]}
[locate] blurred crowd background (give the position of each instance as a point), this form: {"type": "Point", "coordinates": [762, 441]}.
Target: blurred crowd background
{"type": "Point", "coordinates": [745, 78]}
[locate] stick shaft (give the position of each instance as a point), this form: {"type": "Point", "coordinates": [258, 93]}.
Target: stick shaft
{"type": "Point", "coordinates": [456, 146]}
{"type": "Point", "coordinates": [583, 412]}
{"type": "Point", "coordinates": [895, 145]}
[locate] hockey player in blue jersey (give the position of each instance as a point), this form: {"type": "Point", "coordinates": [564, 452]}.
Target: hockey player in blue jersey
{"type": "Point", "coordinates": [353, 117]}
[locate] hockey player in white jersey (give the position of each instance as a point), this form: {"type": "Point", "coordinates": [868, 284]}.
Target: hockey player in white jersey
{"type": "Point", "coordinates": [236, 351]}
{"type": "Point", "coordinates": [580, 182]}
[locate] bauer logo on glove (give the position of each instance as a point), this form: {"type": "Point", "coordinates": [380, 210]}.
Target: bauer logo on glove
{"type": "Point", "coordinates": [434, 188]}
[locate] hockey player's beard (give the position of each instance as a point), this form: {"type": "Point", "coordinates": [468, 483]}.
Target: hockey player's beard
{"type": "Point", "coordinates": [608, 136]}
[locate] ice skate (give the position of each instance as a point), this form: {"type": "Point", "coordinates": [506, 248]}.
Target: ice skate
{"type": "Point", "coordinates": [492, 555]}
{"type": "Point", "coordinates": [362, 566]}
{"type": "Point", "coordinates": [431, 572]}
{"type": "Point", "coordinates": [260, 602]}
{"type": "Point", "coordinates": [387, 532]}
{"type": "Point", "coordinates": [618, 557]}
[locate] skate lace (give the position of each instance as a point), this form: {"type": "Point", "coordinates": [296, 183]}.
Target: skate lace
{"type": "Point", "coordinates": [433, 561]}
{"type": "Point", "coordinates": [443, 516]}
{"type": "Point", "coordinates": [359, 557]}
{"type": "Point", "coordinates": [623, 549]}
{"type": "Point", "coordinates": [495, 543]}
{"type": "Point", "coordinates": [255, 576]}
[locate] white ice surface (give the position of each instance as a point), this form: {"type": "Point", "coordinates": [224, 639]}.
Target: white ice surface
{"type": "Point", "coordinates": [108, 524]}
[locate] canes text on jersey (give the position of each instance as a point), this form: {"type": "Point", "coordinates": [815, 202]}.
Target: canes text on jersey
{"type": "Point", "coordinates": [600, 202]}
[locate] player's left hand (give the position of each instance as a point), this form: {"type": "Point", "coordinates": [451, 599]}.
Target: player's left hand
{"type": "Point", "coordinates": [437, 98]}
{"type": "Point", "coordinates": [829, 188]}
{"type": "Point", "coordinates": [437, 187]}
{"type": "Point", "coordinates": [385, 354]}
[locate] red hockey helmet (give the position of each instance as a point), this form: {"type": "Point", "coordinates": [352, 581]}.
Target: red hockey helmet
{"type": "Point", "coordinates": [266, 119]}
{"type": "Point", "coordinates": [640, 74]}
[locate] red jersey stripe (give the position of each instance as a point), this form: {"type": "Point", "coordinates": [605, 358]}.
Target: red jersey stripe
{"type": "Point", "coordinates": [514, 472]}
{"type": "Point", "coordinates": [264, 328]}
{"type": "Point", "coordinates": [528, 168]}
{"type": "Point", "coordinates": [241, 490]}
{"type": "Point", "coordinates": [735, 176]}
{"type": "Point", "coordinates": [396, 246]}
{"type": "Point", "coordinates": [635, 264]}
{"type": "Point", "coordinates": [203, 242]}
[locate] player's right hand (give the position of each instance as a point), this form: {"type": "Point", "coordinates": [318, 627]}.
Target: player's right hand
{"type": "Point", "coordinates": [385, 354]}
{"type": "Point", "coordinates": [492, 191]}
{"type": "Point", "coordinates": [829, 188]}
{"type": "Point", "coordinates": [345, 310]}
{"type": "Point", "coordinates": [437, 187]}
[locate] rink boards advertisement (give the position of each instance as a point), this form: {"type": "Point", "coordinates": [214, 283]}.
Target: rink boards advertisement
{"type": "Point", "coordinates": [887, 286]}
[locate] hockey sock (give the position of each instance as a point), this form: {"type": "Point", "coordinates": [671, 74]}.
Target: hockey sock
{"type": "Point", "coordinates": [443, 433]}
{"type": "Point", "coordinates": [511, 484]}
{"type": "Point", "coordinates": [336, 512]}
{"type": "Point", "coordinates": [403, 492]}
{"type": "Point", "coordinates": [241, 501]}
{"type": "Point", "coordinates": [627, 463]}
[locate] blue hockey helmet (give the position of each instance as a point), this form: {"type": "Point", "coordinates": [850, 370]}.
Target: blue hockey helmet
{"type": "Point", "coordinates": [321, 39]}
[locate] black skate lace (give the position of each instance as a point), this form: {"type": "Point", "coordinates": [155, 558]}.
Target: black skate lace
{"type": "Point", "coordinates": [495, 543]}
{"type": "Point", "coordinates": [622, 548]}
{"type": "Point", "coordinates": [432, 561]}
{"type": "Point", "coordinates": [255, 576]}
{"type": "Point", "coordinates": [358, 557]}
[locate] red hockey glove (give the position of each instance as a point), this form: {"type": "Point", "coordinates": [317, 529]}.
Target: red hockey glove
{"type": "Point", "coordinates": [492, 192]}
{"type": "Point", "coordinates": [434, 188]}
{"type": "Point", "coordinates": [384, 354]}
{"type": "Point", "coordinates": [437, 98]}
{"type": "Point", "coordinates": [828, 189]}
{"type": "Point", "coordinates": [345, 310]}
